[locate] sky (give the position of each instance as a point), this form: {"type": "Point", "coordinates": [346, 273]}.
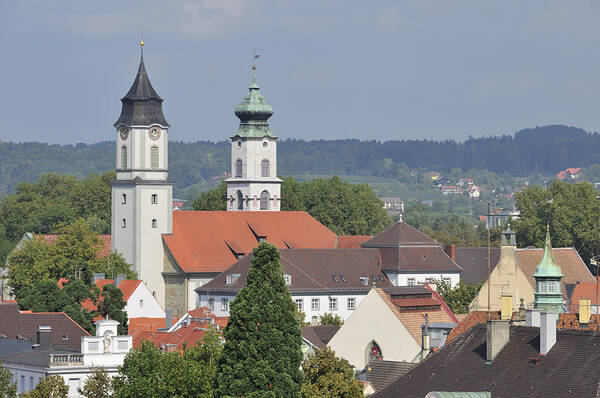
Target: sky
{"type": "Point", "coordinates": [330, 68]}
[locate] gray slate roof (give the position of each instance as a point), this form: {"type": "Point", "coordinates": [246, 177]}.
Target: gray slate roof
{"type": "Point", "coordinates": [319, 335]}
{"type": "Point", "coordinates": [37, 358]}
{"type": "Point", "coordinates": [380, 373]}
{"type": "Point", "coordinates": [13, 346]}
{"type": "Point", "coordinates": [400, 234]}
{"type": "Point", "coordinates": [141, 106]}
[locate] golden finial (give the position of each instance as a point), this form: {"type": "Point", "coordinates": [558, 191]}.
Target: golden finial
{"type": "Point", "coordinates": [142, 40]}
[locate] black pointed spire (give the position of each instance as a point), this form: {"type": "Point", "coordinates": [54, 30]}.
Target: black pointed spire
{"type": "Point", "coordinates": [142, 106]}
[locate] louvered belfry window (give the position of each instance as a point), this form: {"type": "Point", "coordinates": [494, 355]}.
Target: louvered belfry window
{"type": "Point", "coordinates": [265, 168]}
{"type": "Point", "coordinates": [123, 157]}
{"type": "Point", "coordinates": [154, 157]}
{"type": "Point", "coordinates": [264, 200]}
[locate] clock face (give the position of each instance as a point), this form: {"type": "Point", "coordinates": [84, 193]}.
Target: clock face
{"type": "Point", "coordinates": [154, 133]}
{"type": "Point", "coordinates": [123, 132]}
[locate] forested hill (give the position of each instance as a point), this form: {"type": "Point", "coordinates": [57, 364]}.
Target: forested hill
{"type": "Point", "coordinates": [542, 149]}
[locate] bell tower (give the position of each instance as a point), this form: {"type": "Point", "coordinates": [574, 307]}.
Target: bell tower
{"type": "Point", "coordinates": [142, 196]}
{"type": "Point", "coordinates": [254, 185]}
{"type": "Point", "coordinates": [548, 277]}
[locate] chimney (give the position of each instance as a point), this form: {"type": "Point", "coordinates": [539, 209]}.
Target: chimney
{"type": "Point", "coordinates": [532, 318]}
{"type": "Point", "coordinates": [98, 277]}
{"type": "Point", "coordinates": [426, 338]}
{"type": "Point", "coordinates": [168, 318]}
{"type": "Point", "coordinates": [451, 252]}
{"type": "Point", "coordinates": [498, 335]}
{"type": "Point", "coordinates": [43, 337]}
{"type": "Point", "coordinates": [547, 331]}
{"type": "Point", "coordinates": [119, 278]}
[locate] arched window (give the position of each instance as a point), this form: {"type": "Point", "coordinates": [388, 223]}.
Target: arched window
{"type": "Point", "coordinates": [265, 168]}
{"type": "Point", "coordinates": [240, 199]}
{"type": "Point", "coordinates": [154, 157]}
{"type": "Point", "coordinates": [239, 168]}
{"type": "Point", "coordinates": [374, 352]}
{"type": "Point", "coordinates": [264, 200]}
{"type": "Point", "coordinates": [123, 157]}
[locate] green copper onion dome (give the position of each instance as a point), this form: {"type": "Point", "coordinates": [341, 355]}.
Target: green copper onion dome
{"type": "Point", "coordinates": [253, 113]}
{"type": "Point", "coordinates": [547, 267]}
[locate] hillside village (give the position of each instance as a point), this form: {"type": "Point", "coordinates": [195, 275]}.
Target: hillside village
{"type": "Point", "coordinates": [263, 289]}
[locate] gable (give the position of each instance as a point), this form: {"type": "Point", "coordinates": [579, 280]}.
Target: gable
{"type": "Point", "coordinates": [571, 264]}
{"type": "Point", "coordinates": [399, 234]}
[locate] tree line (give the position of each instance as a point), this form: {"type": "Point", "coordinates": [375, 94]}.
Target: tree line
{"type": "Point", "coordinates": [544, 150]}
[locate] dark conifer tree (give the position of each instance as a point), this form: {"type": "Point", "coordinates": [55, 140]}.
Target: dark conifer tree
{"type": "Point", "coordinates": [262, 355]}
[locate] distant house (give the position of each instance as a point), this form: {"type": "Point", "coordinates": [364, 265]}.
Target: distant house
{"type": "Point", "coordinates": [473, 191]}
{"type": "Point", "coordinates": [438, 182]}
{"type": "Point", "coordinates": [178, 204]}
{"type": "Point", "coordinates": [573, 173]}
{"type": "Point", "coordinates": [393, 205]}
{"type": "Point", "coordinates": [451, 190]}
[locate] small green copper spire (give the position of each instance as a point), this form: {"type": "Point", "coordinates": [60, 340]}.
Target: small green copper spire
{"type": "Point", "coordinates": [548, 267]}
{"type": "Point", "coordinates": [254, 112]}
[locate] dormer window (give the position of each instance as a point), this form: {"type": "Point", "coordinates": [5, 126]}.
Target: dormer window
{"type": "Point", "coordinates": [288, 279]}
{"type": "Point", "coordinates": [231, 279]}
{"type": "Point", "coordinates": [364, 280]}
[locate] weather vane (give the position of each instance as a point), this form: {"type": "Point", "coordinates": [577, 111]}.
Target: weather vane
{"type": "Point", "coordinates": [255, 56]}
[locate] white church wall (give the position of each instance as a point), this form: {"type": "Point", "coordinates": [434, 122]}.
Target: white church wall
{"type": "Point", "coordinates": [142, 304]}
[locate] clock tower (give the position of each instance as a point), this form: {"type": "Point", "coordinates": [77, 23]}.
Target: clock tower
{"type": "Point", "coordinates": [142, 196]}
{"type": "Point", "coordinates": [253, 185]}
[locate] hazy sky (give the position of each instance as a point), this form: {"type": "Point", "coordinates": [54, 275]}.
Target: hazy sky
{"type": "Point", "coordinates": [331, 69]}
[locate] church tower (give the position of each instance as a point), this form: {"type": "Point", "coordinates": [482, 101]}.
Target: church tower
{"type": "Point", "coordinates": [548, 275]}
{"type": "Point", "coordinates": [142, 196]}
{"type": "Point", "coordinates": [253, 185]}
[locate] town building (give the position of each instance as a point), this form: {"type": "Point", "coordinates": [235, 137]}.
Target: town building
{"type": "Point", "coordinates": [336, 280]}
{"type": "Point", "coordinates": [548, 276]}
{"type": "Point", "coordinates": [504, 360]}
{"type": "Point", "coordinates": [105, 350]}
{"type": "Point", "coordinates": [570, 174]}
{"type": "Point", "coordinates": [389, 324]}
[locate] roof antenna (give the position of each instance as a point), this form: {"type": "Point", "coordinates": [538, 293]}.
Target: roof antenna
{"type": "Point", "coordinates": [255, 56]}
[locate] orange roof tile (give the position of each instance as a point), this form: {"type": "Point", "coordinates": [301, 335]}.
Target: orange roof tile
{"type": "Point", "coordinates": [175, 341]}
{"type": "Point", "coordinates": [583, 291]}
{"type": "Point", "coordinates": [199, 239]}
{"type": "Point", "coordinates": [138, 325]}
{"type": "Point", "coordinates": [351, 241]}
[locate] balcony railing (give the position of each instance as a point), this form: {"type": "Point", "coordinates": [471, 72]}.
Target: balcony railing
{"type": "Point", "coordinates": [66, 359]}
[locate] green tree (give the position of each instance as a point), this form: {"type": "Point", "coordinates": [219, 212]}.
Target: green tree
{"type": "Point", "coordinates": [571, 210]}
{"type": "Point", "coordinates": [8, 389]}
{"type": "Point", "coordinates": [212, 200]}
{"type": "Point", "coordinates": [262, 355]}
{"type": "Point", "coordinates": [331, 319]}
{"type": "Point", "coordinates": [151, 373]}
{"type": "Point", "coordinates": [327, 376]}
{"type": "Point", "coordinates": [77, 251]}
{"type": "Point", "coordinates": [111, 305]}
{"type": "Point", "coordinates": [97, 385]}
{"type": "Point", "coordinates": [458, 297]}
{"type": "Point", "coordinates": [49, 387]}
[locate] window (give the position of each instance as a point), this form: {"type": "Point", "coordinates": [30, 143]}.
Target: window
{"type": "Point", "coordinates": [364, 280]}
{"type": "Point", "coordinates": [154, 223]}
{"type": "Point", "coordinates": [124, 199]}
{"type": "Point", "coordinates": [93, 346]}
{"type": "Point", "coordinates": [141, 303]}
{"type": "Point", "coordinates": [447, 281]}
{"type": "Point", "coordinates": [211, 304]}
{"type": "Point", "coordinates": [543, 286]}
{"type": "Point", "coordinates": [122, 345]}
{"type": "Point", "coordinates": [265, 168]}
{"type": "Point", "coordinates": [332, 304]}
{"type": "Point", "coordinates": [123, 223]}
{"type": "Point", "coordinates": [288, 279]}
{"type": "Point", "coordinates": [154, 199]}
{"type": "Point", "coordinates": [228, 279]}
{"type": "Point", "coordinates": [343, 278]}
{"type": "Point", "coordinates": [299, 304]}
{"type": "Point", "coordinates": [374, 351]}
{"type": "Point", "coordinates": [31, 383]}
{"type": "Point", "coordinates": [22, 383]}
{"type": "Point", "coordinates": [239, 168]}
{"type": "Point", "coordinates": [410, 281]}
{"type": "Point", "coordinates": [264, 200]}
{"type": "Point", "coordinates": [551, 286]}
{"type": "Point", "coordinates": [240, 199]}
{"type": "Point", "coordinates": [224, 304]}
{"type": "Point", "coordinates": [428, 280]}
{"type": "Point", "coordinates": [123, 157]}
{"type": "Point", "coordinates": [315, 304]}
{"type": "Point", "coordinates": [351, 303]}
{"type": "Point", "coordinates": [265, 144]}
{"type": "Point", "coordinates": [154, 157]}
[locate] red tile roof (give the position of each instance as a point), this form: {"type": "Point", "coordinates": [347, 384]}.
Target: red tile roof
{"type": "Point", "coordinates": [138, 325]}
{"type": "Point", "coordinates": [127, 287]}
{"type": "Point", "coordinates": [351, 241]}
{"type": "Point", "coordinates": [199, 242]}
{"type": "Point", "coordinates": [105, 239]}
{"type": "Point", "coordinates": [175, 341]}
{"type": "Point", "coordinates": [583, 291]}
